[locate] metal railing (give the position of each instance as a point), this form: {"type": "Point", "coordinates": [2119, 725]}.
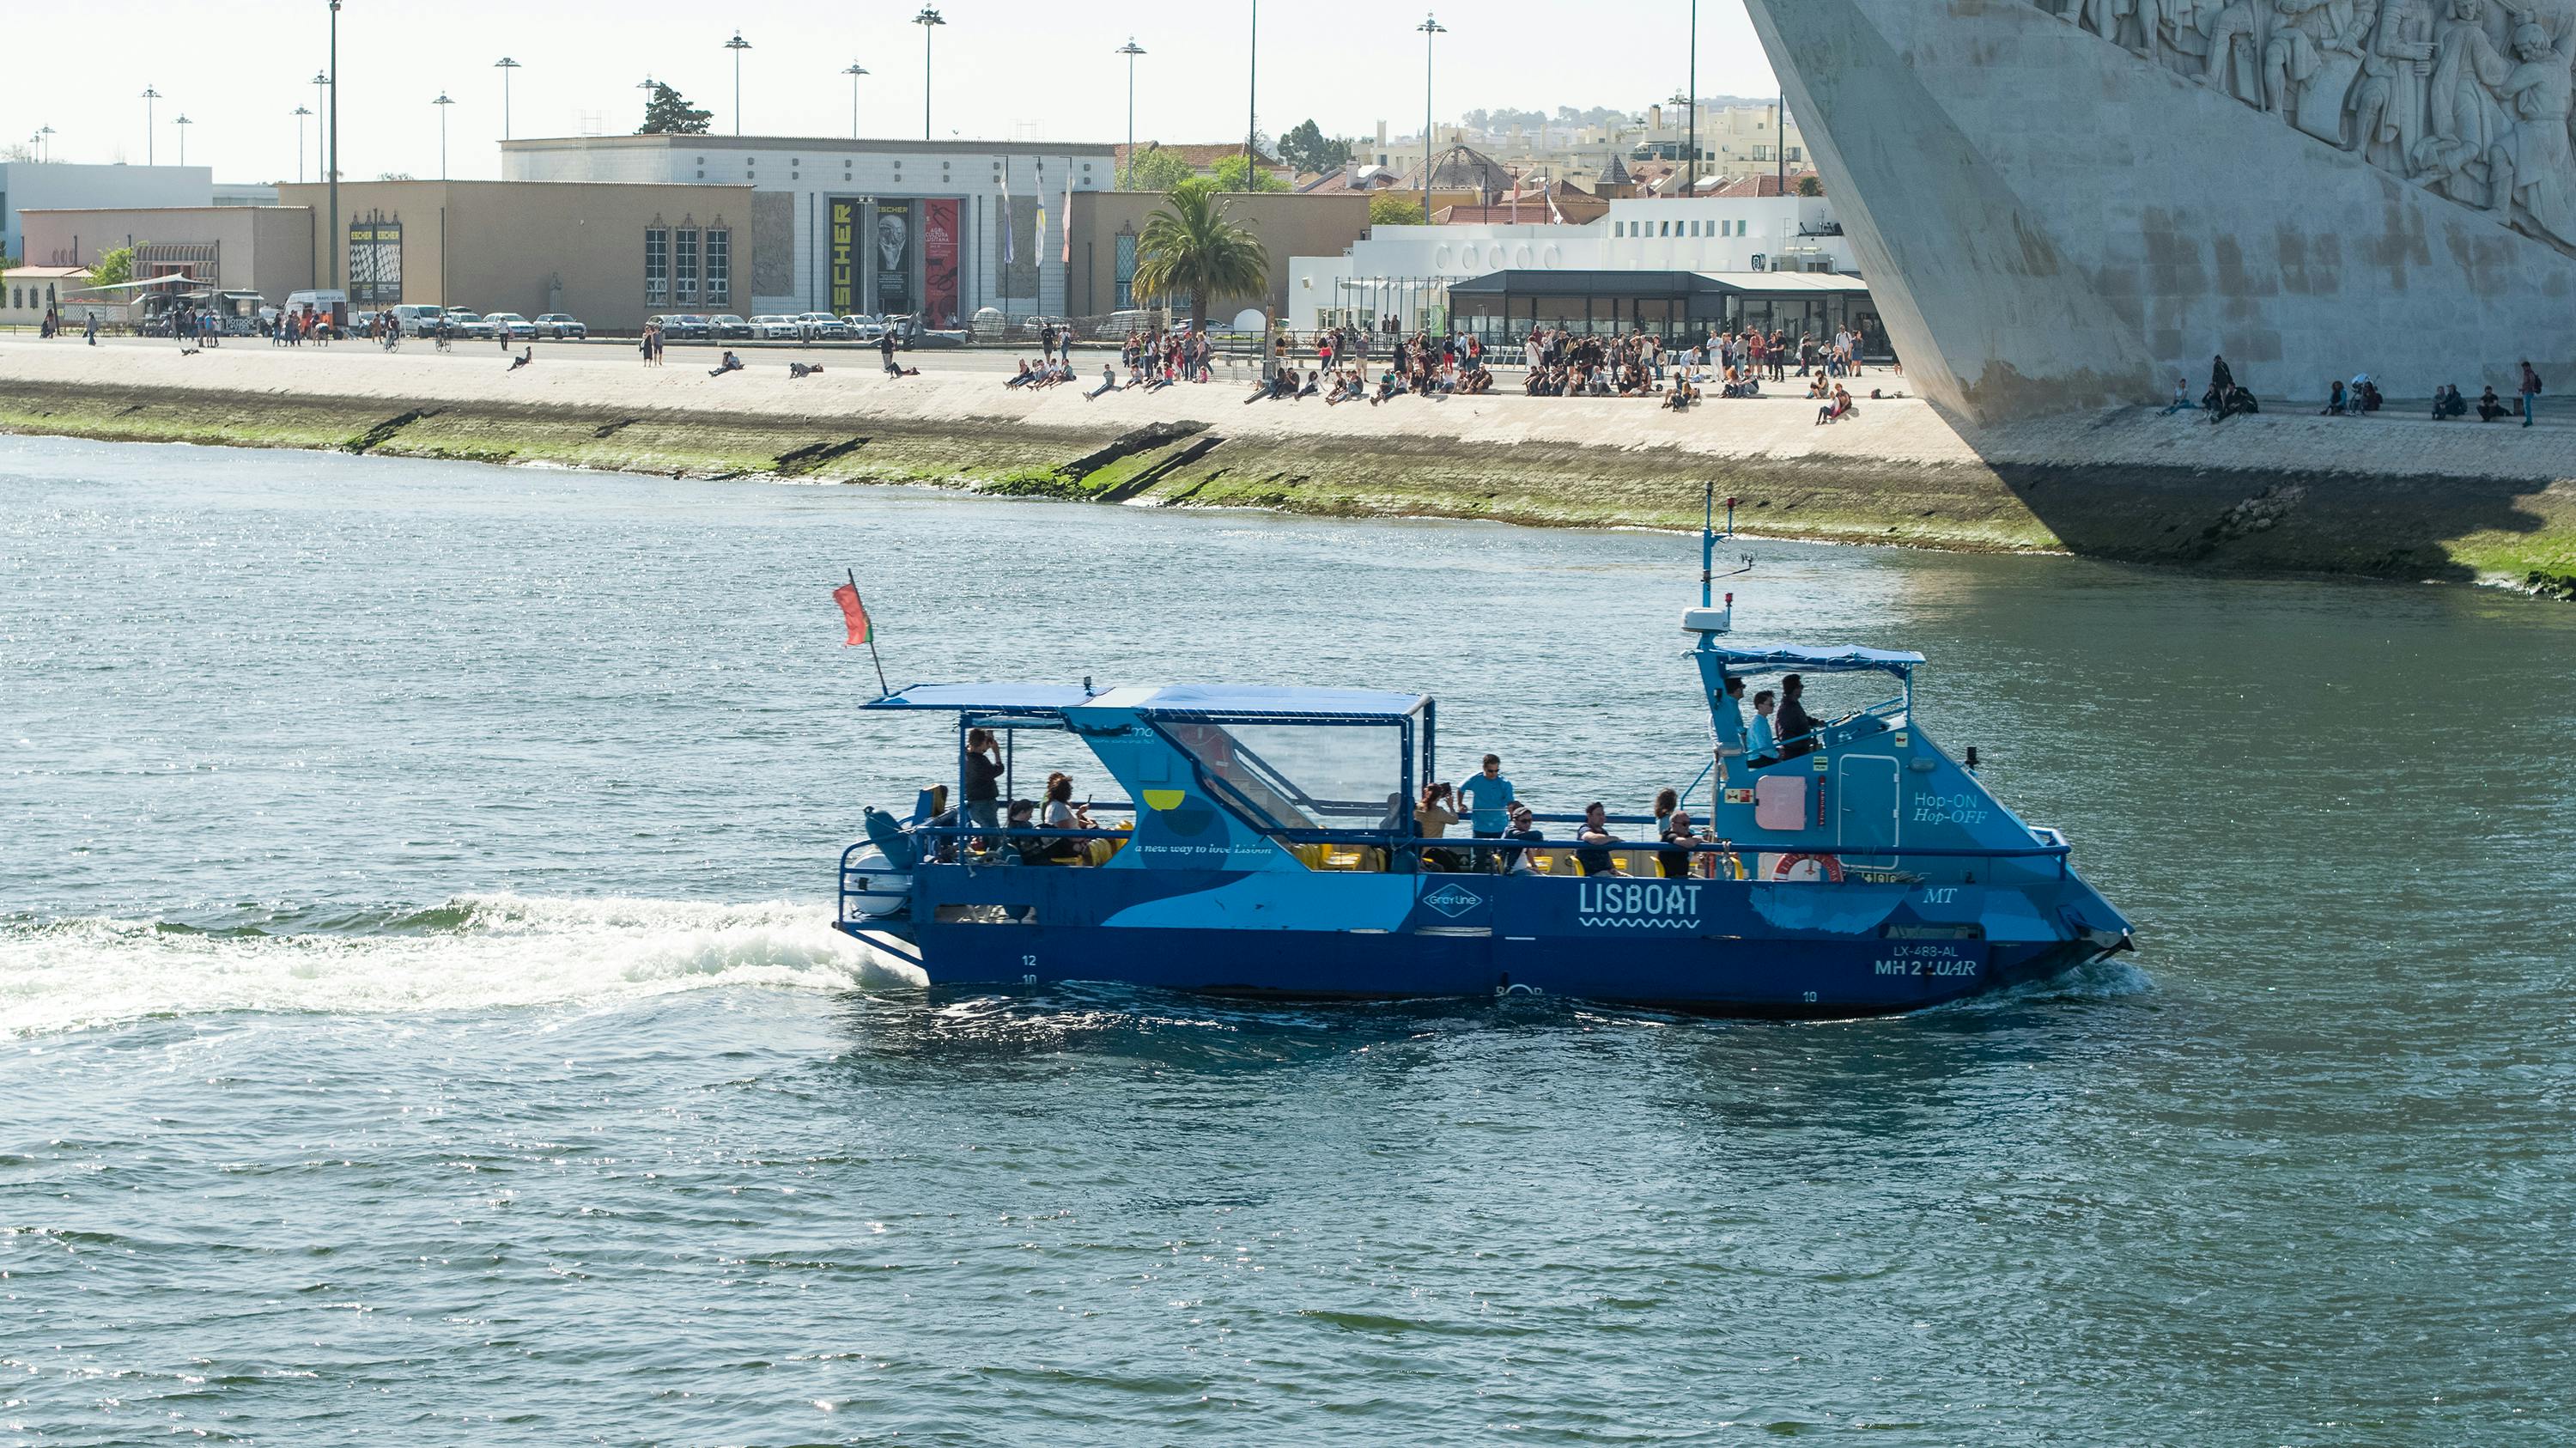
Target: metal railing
{"type": "Point", "coordinates": [1490, 848]}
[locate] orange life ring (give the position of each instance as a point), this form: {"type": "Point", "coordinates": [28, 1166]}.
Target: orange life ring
{"type": "Point", "coordinates": [1827, 865]}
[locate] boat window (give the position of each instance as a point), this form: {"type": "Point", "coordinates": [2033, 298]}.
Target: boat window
{"type": "Point", "coordinates": [1302, 776]}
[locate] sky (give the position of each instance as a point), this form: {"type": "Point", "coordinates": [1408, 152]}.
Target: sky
{"type": "Point", "coordinates": [1004, 69]}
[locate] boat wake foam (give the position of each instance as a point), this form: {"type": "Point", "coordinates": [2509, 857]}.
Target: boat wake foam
{"type": "Point", "coordinates": [470, 952]}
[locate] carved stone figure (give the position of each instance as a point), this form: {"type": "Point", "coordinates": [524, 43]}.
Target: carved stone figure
{"type": "Point", "coordinates": [2388, 106]}
{"type": "Point", "coordinates": [2311, 64]}
{"type": "Point", "coordinates": [2463, 118]}
{"type": "Point", "coordinates": [2533, 163]}
{"type": "Point", "coordinates": [2236, 52]}
{"type": "Point", "coordinates": [2178, 35]}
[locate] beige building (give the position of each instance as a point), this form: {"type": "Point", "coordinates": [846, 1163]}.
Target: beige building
{"type": "Point", "coordinates": [610, 253]}
{"type": "Point", "coordinates": [264, 249]}
{"type": "Point", "coordinates": [1106, 225]}
{"type": "Point", "coordinates": [26, 291]}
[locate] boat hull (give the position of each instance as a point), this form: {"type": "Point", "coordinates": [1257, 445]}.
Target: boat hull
{"type": "Point", "coordinates": [1727, 948]}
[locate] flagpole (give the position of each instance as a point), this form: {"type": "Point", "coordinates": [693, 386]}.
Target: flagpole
{"type": "Point", "coordinates": [882, 690]}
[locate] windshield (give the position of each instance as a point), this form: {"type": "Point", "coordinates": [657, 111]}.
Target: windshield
{"type": "Point", "coordinates": [1303, 776]}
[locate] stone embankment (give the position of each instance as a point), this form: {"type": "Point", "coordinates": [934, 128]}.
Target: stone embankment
{"type": "Point", "coordinates": [2389, 497]}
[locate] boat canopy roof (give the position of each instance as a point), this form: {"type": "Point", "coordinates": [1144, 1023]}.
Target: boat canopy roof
{"type": "Point", "coordinates": [987, 698]}
{"type": "Point", "coordinates": [1171, 700]}
{"type": "Point", "coordinates": [1819, 658]}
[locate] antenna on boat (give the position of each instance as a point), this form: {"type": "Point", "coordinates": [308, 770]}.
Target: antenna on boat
{"type": "Point", "coordinates": [1708, 538]}
{"type": "Point", "coordinates": [1708, 543]}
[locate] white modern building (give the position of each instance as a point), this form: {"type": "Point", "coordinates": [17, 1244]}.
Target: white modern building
{"type": "Point", "coordinates": [940, 228]}
{"type": "Point", "coordinates": [63, 185]}
{"type": "Point", "coordinates": [1745, 246]}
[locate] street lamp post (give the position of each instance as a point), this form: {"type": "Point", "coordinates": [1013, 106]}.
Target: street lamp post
{"type": "Point", "coordinates": [737, 45]}
{"type": "Point", "coordinates": [183, 123]}
{"type": "Point", "coordinates": [1693, 171]}
{"type": "Point", "coordinates": [854, 72]}
{"type": "Point", "coordinates": [505, 65]}
{"type": "Point", "coordinates": [149, 96]}
{"type": "Point", "coordinates": [442, 103]}
{"type": "Point", "coordinates": [1131, 50]}
{"type": "Point", "coordinates": [331, 157]}
{"type": "Point", "coordinates": [44, 143]}
{"type": "Point", "coordinates": [929, 19]}
{"type": "Point", "coordinates": [300, 113]}
{"type": "Point", "coordinates": [1430, 29]}
{"type": "Point", "coordinates": [1252, 96]}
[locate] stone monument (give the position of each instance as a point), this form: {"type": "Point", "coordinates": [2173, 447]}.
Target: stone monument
{"type": "Point", "coordinates": [2067, 204]}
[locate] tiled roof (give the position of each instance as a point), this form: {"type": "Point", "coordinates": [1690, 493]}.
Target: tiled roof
{"type": "Point", "coordinates": [1765, 185]}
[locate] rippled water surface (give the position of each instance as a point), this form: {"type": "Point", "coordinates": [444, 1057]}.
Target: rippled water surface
{"type": "Point", "coordinates": [419, 1021]}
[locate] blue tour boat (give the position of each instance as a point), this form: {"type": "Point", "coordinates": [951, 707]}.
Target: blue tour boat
{"type": "Point", "coordinates": [1267, 847]}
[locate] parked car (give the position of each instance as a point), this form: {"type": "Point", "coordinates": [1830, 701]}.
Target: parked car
{"type": "Point", "coordinates": [774, 328]}
{"type": "Point", "coordinates": [728, 326]}
{"type": "Point", "coordinates": [864, 327]}
{"type": "Point", "coordinates": [519, 328]}
{"type": "Point", "coordinates": [823, 327]}
{"type": "Point", "coordinates": [680, 326]}
{"type": "Point", "coordinates": [562, 326]}
{"type": "Point", "coordinates": [415, 320]}
{"type": "Point", "coordinates": [464, 323]}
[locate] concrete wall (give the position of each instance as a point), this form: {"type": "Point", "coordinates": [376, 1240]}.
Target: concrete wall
{"type": "Point", "coordinates": [1289, 226]}
{"type": "Point", "coordinates": [808, 172]}
{"type": "Point", "coordinates": [2050, 223]}
{"type": "Point", "coordinates": [532, 247]}
{"type": "Point", "coordinates": [59, 185]}
{"type": "Point", "coordinates": [267, 249]}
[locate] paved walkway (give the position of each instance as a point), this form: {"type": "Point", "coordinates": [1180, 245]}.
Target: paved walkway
{"type": "Point", "coordinates": [964, 388]}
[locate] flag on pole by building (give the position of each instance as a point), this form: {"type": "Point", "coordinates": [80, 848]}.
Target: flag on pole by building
{"type": "Point", "coordinates": [1010, 253]}
{"type": "Point", "coordinates": [1067, 258]}
{"type": "Point", "coordinates": [1037, 238]}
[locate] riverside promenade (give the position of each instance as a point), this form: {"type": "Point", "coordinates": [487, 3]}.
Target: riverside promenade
{"type": "Point", "coordinates": [2392, 496]}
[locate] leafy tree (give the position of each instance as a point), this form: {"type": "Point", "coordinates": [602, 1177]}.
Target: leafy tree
{"type": "Point", "coordinates": [1193, 248]}
{"type": "Point", "coordinates": [1151, 168]}
{"type": "Point", "coordinates": [393, 175]}
{"type": "Point", "coordinates": [1308, 149]}
{"type": "Point", "coordinates": [1239, 173]}
{"type": "Point", "coordinates": [666, 114]}
{"type": "Point", "coordinates": [1391, 208]}
{"type": "Point", "coordinates": [113, 267]}
{"type": "Point", "coordinates": [1810, 186]}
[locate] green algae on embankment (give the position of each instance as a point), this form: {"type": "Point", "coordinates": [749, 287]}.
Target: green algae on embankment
{"type": "Point", "coordinates": [2279, 519]}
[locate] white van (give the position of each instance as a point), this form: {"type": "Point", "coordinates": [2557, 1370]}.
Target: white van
{"type": "Point", "coordinates": [330, 302]}
{"type": "Point", "coordinates": [416, 321]}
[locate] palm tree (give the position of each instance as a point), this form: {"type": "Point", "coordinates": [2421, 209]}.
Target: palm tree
{"type": "Point", "coordinates": [1193, 248]}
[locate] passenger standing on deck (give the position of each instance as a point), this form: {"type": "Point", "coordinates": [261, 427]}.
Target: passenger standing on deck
{"type": "Point", "coordinates": [1762, 746]}
{"type": "Point", "coordinates": [983, 779]}
{"type": "Point", "coordinates": [1795, 722]}
{"type": "Point", "coordinates": [1488, 797]}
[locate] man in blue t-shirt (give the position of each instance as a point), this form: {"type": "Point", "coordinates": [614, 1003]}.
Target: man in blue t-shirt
{"type": "Point", "coordinates": [1488, 797]}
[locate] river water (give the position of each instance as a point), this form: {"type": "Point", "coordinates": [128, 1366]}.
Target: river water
{"type": "Point", "coordinates": [419, 1022]}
